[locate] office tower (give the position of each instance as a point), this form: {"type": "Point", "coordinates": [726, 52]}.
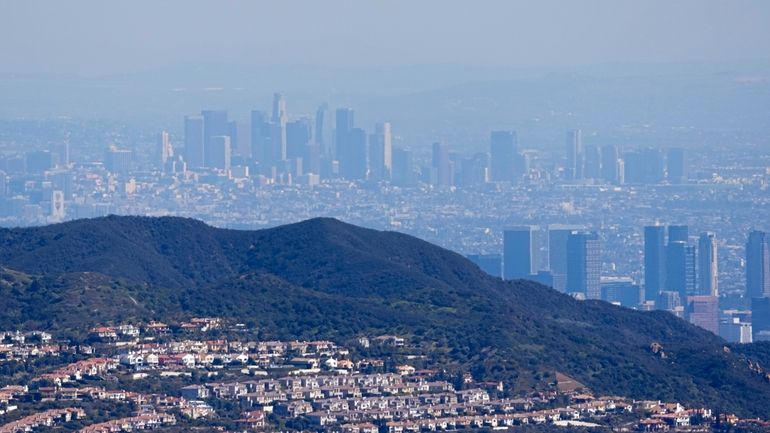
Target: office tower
{"type": "Point", "coordinates": [323, 131]}
{"type": "Point", "coordinates": [344, 124]}
{"type": "Point", "coordinates": [678, 233]}
{"type": "Point", "coordinates": [610, 167]}
{"type": "Point", "coordinates": [574, 150]}
{"type": "Point", "coordinates": [503, 148]}
{"type": "Point", "coordinates": [403, 167]}
{"type": "Point", "coordinates": [240, 139]}
{"type": "Point", "coordinates": [703, 311]}
{"type": "Point", "coordinates": [381, 152]}
{"type": "Point", "coordinates": [622, 291]}
{"type": "Point", "coordinates": [593, 163]}
{"type": "Point", "coordinates": [193, 142]}
{"type": "Point", "coordinates": [62, 154]}
{"type": "Point", "coordinates": [707, 265]}
{"type": "Point", "coordinates": [668, 300]}
{"type": "Point", "coordinates": [165, 151]}
{"type": "Point", "coordinates": [492, 264]}
{"type": "Point", "coordinates": [675, 161]}
{"type": "Point", "coordinates": [680, 268]}
{"type": "Point", "coordinates": [474, 169]}
{"type": "Point", "coordinates": [279, 109]}
{"type": "Point", "coordinates": [441, 167]}
{"type": "Point", "coordinates": [220, 152]}
{"type": "Point", "coordinates": [584, 265]}
{"type": "Point", "coordinates": [298, 136]}
{"type": "Point", "coordinates": [215, 124]}
{"type": "Point", "coordinates": [118, 161]}
{"type": "Point", "coordinates": [520, 252]}
{"type": "Point", "coordinates": [557, 253]}
{"type": "Point", "coordinates": [261, 149]}
{"type": "Point", "coordinates": [758, 265]}
{"type": "Point", "coordinates": [654, 261]}
{"type": "Point", "coordinates": [645, 166]}
{"type": "Point", "coordinates": [353, 158]}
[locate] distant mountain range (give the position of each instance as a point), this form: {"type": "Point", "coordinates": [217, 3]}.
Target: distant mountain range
{"type": "Point", "coordinates": [326, 279]}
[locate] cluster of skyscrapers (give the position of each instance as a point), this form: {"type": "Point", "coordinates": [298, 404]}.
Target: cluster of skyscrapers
{"type": "Point", "coordinates": [680, 273]}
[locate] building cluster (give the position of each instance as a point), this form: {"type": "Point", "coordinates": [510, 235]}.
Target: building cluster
{"type": "Point", "coordinates": [680, 274]}
{"type": "Point", "coordinates": [18, 345]}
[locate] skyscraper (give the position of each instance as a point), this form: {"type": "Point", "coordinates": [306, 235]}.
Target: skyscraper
{"type": "Point", "coordinates": [165, 151]}
{"type": "Point", "coordinates": [298, 136]}
{"type": "Point", "coordinates": [323, 132]}
{"type": "Point", "coordinates": [678, 233]}
{"type": "Point", "coordinates": [353, 165]}
{"type": "Point", "coordinates": [557, 253]}
{"type": "Point", "coordinates": [610, 163]}
{"type": "Point", "coordinates": [592, 163]}
{"type": "Point", "coordinates": [758, 265]}
{"type": "Point", "coordinates": [220, 152]}
{"type": "Point", "coordinates": [708, 283]}
{"type": "Point", "coordinates": [584, 264]}
{"type": "Point", "coordinates": [279, 109]}
{"type": "Point", "coordinates": [703, 311]}
{"type": "Point", "coordinates": [680, 268]}
{"type": "Point", "coordinates": [654, 261]}
{"type": "Point", "coordinates": [193, 142]}
{"type": "Point", "coordinates": [403, 167]}
{"type": "Point", "coordinates": [260, 137]}
{"type": "Point", "coordinates": [520, 252]}
{"type": "Point", "coordinates": [502, 150]}
{"type": "Point", "coordinates": [215, 124]}
{"type": "Point", "coordinates": [381, 152]}
{"type": "Point", "coordinates": [441, 175]}
{"type": "Point", "coordinates": [343, 126]}
{"type": "Point", "coordinates": [675, 162]}
{"type": "Point", "coordinates": [574, 151]}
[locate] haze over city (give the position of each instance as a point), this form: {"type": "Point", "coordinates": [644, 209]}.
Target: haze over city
{"type": "Point", "coordinates": [384, 217]}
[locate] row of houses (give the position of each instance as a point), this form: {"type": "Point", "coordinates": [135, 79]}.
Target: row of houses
{"type": "Point", "coordinates": [78, 370]}
{"type": "Point", "coordinates": [48, 418]}
{"type": "Point", "coordinates": [139, 422]}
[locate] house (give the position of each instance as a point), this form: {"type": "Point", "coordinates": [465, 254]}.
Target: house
{"type": "Point", "coordinates": [253, 419]}
{"type": "Point", "coordinates": [195, 392]}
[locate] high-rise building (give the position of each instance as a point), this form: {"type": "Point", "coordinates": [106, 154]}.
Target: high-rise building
{"type": "Point", "coordinates": [708, 283]}
{"type": "Point", "coordinates": [703, 311]}
{"type": "Point", "coordinates": [622, 291]}
{"type": "Point", "coordinates": [381, 152]}
{"type": "Point", "coordinates": [645, 166]}
{"type": "Point", "coordinates": [676, 164]}
{"type": "Point", "coordinates": [240, 139]}
{"type": "Point", "coordinates": [261, 148]}
{"type": "Point", "coordinates": [441, 167]}
{"type": "Point", "coordinates": [323, 132]}
{"type": "Point", "coordinates": [678, 233]}
{"type": "Point", "coordinates": [165, 151]}
{"type": "Point", "coordinates": [279, 109]}
{"type": "Point", "coordinates": [654, 261]}
{"type": "Point", "coordinates": [492, 264]}
{"type": "Point", "coordinates": [403, 167]}
{"type": "Point", "coordinates": [680, 268]}
{"type": "Point", "coordinates": [118, 161]}
{"type": "Point", "coordinates": [584, 264]}
{"type": "Point", "coordinates": [215, 124]}
{"type": "Point", "coordinates": [298, 137]}
{"type": "Point", "coordinates": [194, 148]}
{"type": "Point", "coordinates": [557, 253]}
{"type": "Point", "coordinates": [502, 149]}
{"type": "Point", "coordinates": [610, 172]}
{"type": "Point", "coordinates": [593, 163]}
{"type": "Point", "coordinates": [758, 265]}
{"type": "Point", "coordinates": [220, 152]}
{"type": "Point", "coordinates": [574, 151]}
{"type": "Point", "coordinates": [353, 165]}
{"type": "Point", "coordinates": [760, 318]}
{"type": "Point", "coordinates": [344, 124]}
{"type": "Point", "coordinates": [520, 252]}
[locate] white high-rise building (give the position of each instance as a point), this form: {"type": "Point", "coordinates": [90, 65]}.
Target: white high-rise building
{"type": "Point", "coordinates": [707, 265]}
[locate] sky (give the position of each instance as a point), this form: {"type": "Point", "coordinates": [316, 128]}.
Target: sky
{"type": "Point", "coordinates": [97, 37]}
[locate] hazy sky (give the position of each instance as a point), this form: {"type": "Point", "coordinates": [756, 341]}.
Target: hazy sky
{"type": "Point", "coordinates": [99, 37]}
